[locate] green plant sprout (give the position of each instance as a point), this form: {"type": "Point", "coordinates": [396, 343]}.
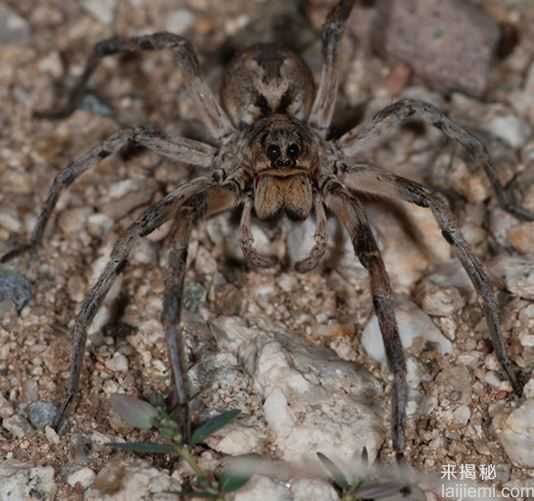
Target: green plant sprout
{"type": "Point", "coordinates": [361, 489]}
{"type": "Point", "coordinates": [140, 414]}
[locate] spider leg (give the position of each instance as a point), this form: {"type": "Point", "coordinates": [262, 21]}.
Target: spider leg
{"type": "Point", "coordinates": [151, 219]}
{"type": "Point", "coordinates": [371, 132]}
{"type": "Point", "coordinates": [331, 36]}
{"type": "Point", "coordinates": [376, 180]}
{"type": "Point", "coordinates": [210, 110]}
{"type": "Point", "coordinates": [182, 149]}
{"type": "Point", "coordinates": [350, 212]}
{"type": "Point", "coordinates": [170, 318]}
{"type": "Point", "coordinates": [321, 239]}
{"type": "Point", "coordinates": [256, 259]}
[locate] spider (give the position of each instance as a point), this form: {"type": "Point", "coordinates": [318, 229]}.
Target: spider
{"type": "Point", "coordinates": [273, 157]}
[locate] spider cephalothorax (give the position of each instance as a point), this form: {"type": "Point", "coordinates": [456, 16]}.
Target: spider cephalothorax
{"type": "Point", "coordinates": [273, 158]}
{"type": "Point", "coordinates": [283, 161]}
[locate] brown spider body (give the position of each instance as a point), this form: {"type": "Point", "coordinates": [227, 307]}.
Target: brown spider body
{"type": "Point", "coordinates": [265, 80]}
{"type": "Point", "coordinates": [273, 158]}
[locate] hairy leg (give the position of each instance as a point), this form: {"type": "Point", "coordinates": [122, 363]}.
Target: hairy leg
{"type": "Point", "coordinates": [350, 212]}
{"type": "Point", "coordinates": [331, 36]}
{"type": "Point", "coordinates": [210, 110]}
{"type": "Point", "coordinates": [321, 239]}
{"type": "Point", "coordinates": [372, 132]}
{"type": "Point", "coordinates": [170, 318]}
{"type": "Point", "coordinates": [372, 179]}
{"type": "Point", "coordinates": [150, 220]}
{"type": "Point", "coordinates": [195, 210]}
{"type": "Point", "coordinates": [185, 150]}
{"type": "Point", "coordinates": [256, 259]}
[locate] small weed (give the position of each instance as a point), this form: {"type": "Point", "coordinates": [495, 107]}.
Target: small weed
{"type": "Point", "coordinates": [139, 414]}
{"type": "Point", "coordinates": [366, 488]}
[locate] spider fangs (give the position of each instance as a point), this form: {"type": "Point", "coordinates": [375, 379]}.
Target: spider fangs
{"type": "Point", "coordinates": [273, 157]}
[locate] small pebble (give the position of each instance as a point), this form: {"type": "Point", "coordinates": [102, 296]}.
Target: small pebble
{"type": "Point", "coordinates": [510, 128]}
{"type": "Point", "coordinates": [180, 21]}
{"type": "Point", "coordinates": [99, 224]}
{"type": "Point", "coordinates": [437, 300]}
{"type": "Point", "coordinates": [103, 10]}
{"type": "Point", "coordinates": [118, 363]}
{"type": "Point", "coordinates": [10, 220]}
{"type": "Point", "coordinates": [517, 273]}
{"type": "Point", "coordinates": [73, 221]}
{"type": "Point", "coordinates": [13, 28]}
{"type": "Point", "coordinates": [127, 195]}
{"type": "Point", "coordinates": [522, 238]}
{"type": "Point", "coordinates": [144, 253]}
{"type": "Point", "coordinates": [42, 413]}
{"type": "Point", "coordinates": [6, 409]}
{"type": "Point", "coordinates": [76, 288]}
{"type": "Point", "coordinates": [51, 435]}
{"type": "Point", "coordinates": [15, 287]}
{"type": "Point", "coordinates": [84, 477]}
{"type": "Point", "coordinates": [17, 426]}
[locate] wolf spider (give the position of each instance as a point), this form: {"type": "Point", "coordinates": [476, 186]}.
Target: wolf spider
{"type": "Point", "coordinates": [273, 157]}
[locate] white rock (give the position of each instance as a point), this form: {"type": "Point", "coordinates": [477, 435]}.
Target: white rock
{"type": "Point", "coordinates": [13, 28]}
{"type": "Point", "coordinates": [144, 253]}
{"type": "Point", "coordinates": [99, 224]}
{"type": "Point", "coordinates": [20, 482]}
{"type": "Point", "coordinates": [512, 129]}
{"type": "Point", "coordinates": [103, 10]}
{"type": "Point", "coordinates": [73, 221]}
{"type": "Point", "coordinates": [439, 301]}
{"type": "Point", "coordinates": [517, 273]}
{"type": "Point", "coordinates": [205, 262]}
{"type": "Point", "coordinates": [416, 373]}
{"type": "Point", "coordinates": [461, 415]}
{"type": "Point", "coordinates": [118, 363]}
{"type": "Point", "coordinates": [236, 439]}
{"type": "Point", "coordinates": [84, 476]}
{"type": "Point", "coordinates": [51, 435]}
{"type": "Point", "coordinates": [102, 317]}
{"type": "Point", "coordinates": [10, 220]}
{"type": "Point", "coordinates": [6, 409]}
{"type": "Point", "coordinates": [412, 322]}
{"type": "Point", "coordinates": [17, 426]}
{"type": "Point", "coordinates": [516, 434]}
{"type": "Point", "coordinates": [135, 484]}
{"type": "Point", "coordinates": [309, 489]}
{"type": "Point", "coordinates": [528, 389]}
{"type": "Point", "coordinates": [180, 21]}
{"type": "Point", "coordinates": [300, 240]}
{"type": "Point", "coordinates": [125, 196]}
{"type": "Point", "coordinates": [223, 233]}
{"type": "Point", "coordinates": [313, 401]}
{"type": "Point", "coordinates": [262, 489]}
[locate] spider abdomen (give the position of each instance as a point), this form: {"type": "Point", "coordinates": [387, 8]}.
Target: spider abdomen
{"type": "Point", "coordinates": [264, 80]}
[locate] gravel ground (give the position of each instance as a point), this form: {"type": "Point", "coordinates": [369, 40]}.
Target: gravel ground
{"type": "Point", "coordinates": [461, 408]}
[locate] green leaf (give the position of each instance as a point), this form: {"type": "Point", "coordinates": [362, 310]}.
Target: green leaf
{"type": "Point", "coordinates": [144, 447]}
{"type": "Point", "coordinates": [212, 425]}
{"type": "Point", "coordinates": [377, 490]}
{"type": "Point", "coordinates": [231, 482]}
{"type": "Point", "coordinates": [335, 473]}
{"type": "Point", "coordinates": [137, 413]}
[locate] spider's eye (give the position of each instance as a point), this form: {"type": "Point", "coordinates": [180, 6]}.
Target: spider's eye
{"type": "Point", "coordinates": [293, 151]}
{"type": "Point", "coordinates": [273, 152]}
